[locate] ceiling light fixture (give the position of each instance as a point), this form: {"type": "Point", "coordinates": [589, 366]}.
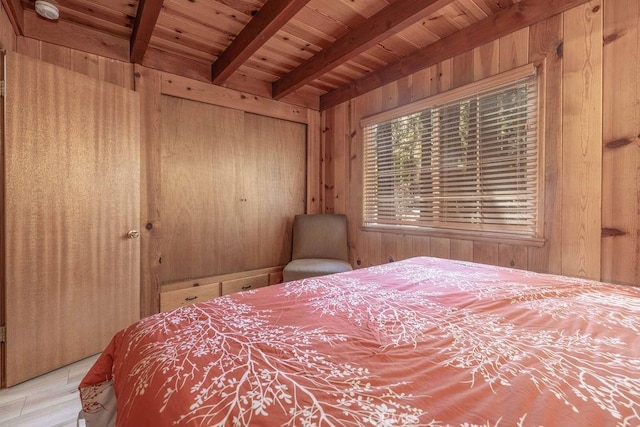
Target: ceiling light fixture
{"type": "Point", "coordinates": [47, 9]}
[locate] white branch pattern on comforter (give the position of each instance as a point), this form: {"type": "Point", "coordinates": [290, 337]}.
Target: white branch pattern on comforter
{"type": "Point", "coordinates": [423, 342]}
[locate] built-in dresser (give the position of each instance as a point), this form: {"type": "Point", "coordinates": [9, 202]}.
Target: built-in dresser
{"type": "Point", "coordinates": [176, 294]}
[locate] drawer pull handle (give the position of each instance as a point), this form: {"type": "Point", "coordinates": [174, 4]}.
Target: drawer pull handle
{"type": "Point", "coordinates": [244, 288]}
{"type": "Point", "coordinates": [190, 298]}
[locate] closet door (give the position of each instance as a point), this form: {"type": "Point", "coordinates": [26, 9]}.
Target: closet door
{"type": "Point", "coordinates": [71, 174]}
{"type": "Point", "coordinates": [275, 188]}
{"type": "Point", "coordinates": [231, 184]}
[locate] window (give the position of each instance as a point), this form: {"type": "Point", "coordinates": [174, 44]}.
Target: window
{"type": "Point", "coordinates": [465, 160]}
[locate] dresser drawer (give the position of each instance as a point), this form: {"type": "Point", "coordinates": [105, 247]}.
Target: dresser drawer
{"type": "Point", "coordinates": [175, 298]}
{"type": "Point", "coordinates": [244, 284]}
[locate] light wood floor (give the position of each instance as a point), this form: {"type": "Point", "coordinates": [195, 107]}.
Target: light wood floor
{"type": "Point", "coordinates": [50, 400]}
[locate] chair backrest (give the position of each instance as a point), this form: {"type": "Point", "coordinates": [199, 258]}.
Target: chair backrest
{"type": "Point", "coordinates": [320, 236]}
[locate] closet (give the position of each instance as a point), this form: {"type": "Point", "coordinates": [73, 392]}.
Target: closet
{"type": "Point", "coordinates": [232, 181]}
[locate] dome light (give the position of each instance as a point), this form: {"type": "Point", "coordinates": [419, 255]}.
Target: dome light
{"type": "Point", "coordinates": [47, 9]}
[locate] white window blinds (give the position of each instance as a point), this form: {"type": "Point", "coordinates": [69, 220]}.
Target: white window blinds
{"type": "Point", "coordinates": [469, 163]}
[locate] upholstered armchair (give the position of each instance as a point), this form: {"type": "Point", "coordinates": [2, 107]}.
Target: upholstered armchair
{"type": "Point", "coordinates": [319, 246]}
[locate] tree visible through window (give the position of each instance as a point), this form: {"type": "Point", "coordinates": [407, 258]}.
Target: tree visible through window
{"type": "Point", "coordinates": [469, 163]}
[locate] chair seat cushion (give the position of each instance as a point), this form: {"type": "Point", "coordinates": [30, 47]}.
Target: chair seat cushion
{"type": "Point", "coordinates": [312, 267]}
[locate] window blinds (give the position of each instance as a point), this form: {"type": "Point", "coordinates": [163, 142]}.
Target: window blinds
{"type": "Point", "coordinates": [468, 163]}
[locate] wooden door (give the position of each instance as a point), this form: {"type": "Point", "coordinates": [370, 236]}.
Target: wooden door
{"type": "Point", "coordinates": [71, 178]}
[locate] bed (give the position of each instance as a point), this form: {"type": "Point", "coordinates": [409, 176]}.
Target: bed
{"type": "Point", "coordinates": [419, 342]}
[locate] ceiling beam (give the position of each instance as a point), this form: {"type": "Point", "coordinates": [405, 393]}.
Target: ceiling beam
{"type": "Point", "coordinates": [387, 22]}
{"type": "Point", "coordinates": [16, 15]}
{"type": "Point", "coordinates": [146, 18]}
{"type": "Point", "coordinates": [268, 21]}
{"type": "Point", "coordinates": [518, 16]}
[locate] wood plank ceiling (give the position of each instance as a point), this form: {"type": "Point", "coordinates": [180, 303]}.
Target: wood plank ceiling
{"type": "Point", "coordinates": [315, 53]}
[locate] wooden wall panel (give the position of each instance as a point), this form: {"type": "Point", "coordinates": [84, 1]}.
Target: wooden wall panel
{"type": "Point", "coordinates": [421, 83]}
{"type": "Point", "coordinates": [570, 47]}
{"type": "Point", "coordinates": [421, 246]}
{"type": "Point", "coordinates": [74, 36]}
{"type": "Point", "coordinates": [486, 60]}
{"type": "Point", "coordinates": [105, 69]}
{"type": "Point", "coordinates": [485, 252]}
{"type": "Point", "coordinates": [389, 246]}
{"type": "Point", "coordinates": [462, 250]}
{"type": "Point", "coordinates": [371, 253]}
{"type": "Point", "coordinates": [440, 247]}
{"type": "Point", "coordinates": [621, 160]}
{"type": "Point", "coordinates": [315, 169]}
{"type": "Point", "coordinates": [582, 141]}
{"type": "Point", "coordinates": [513, 50]}
{"type": "Point", "coordinates": [546, 45]}
{"type": "Point", "coordinates": [7, 35]}
{"type": "Point", "coordinates": [336, 134]}
{"type": "Point", "coordinates": [444, 76]}
{"type": "Point", "coordinates": [341, 155]}
{"type": "Point", "coordinates": [365, 249]}
{"type": "Point", "coordinates": [355, 168]}
{"type": "Point", "coordinates": [404, 248]}
{"type": "Point", "coordinates": [513, 256]}
{"type": "Point", "coordinates": [462, 69]}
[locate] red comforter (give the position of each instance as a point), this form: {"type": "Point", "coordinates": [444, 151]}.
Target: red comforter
{"type": "Point", "coordinates": [421, 342]}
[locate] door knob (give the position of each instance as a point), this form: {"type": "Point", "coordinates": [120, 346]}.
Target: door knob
{"type": "Point", "coordinates": [133, 234]}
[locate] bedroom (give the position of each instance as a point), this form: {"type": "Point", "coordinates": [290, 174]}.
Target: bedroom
{"type": "Point", "coordinates": [591, 160]}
